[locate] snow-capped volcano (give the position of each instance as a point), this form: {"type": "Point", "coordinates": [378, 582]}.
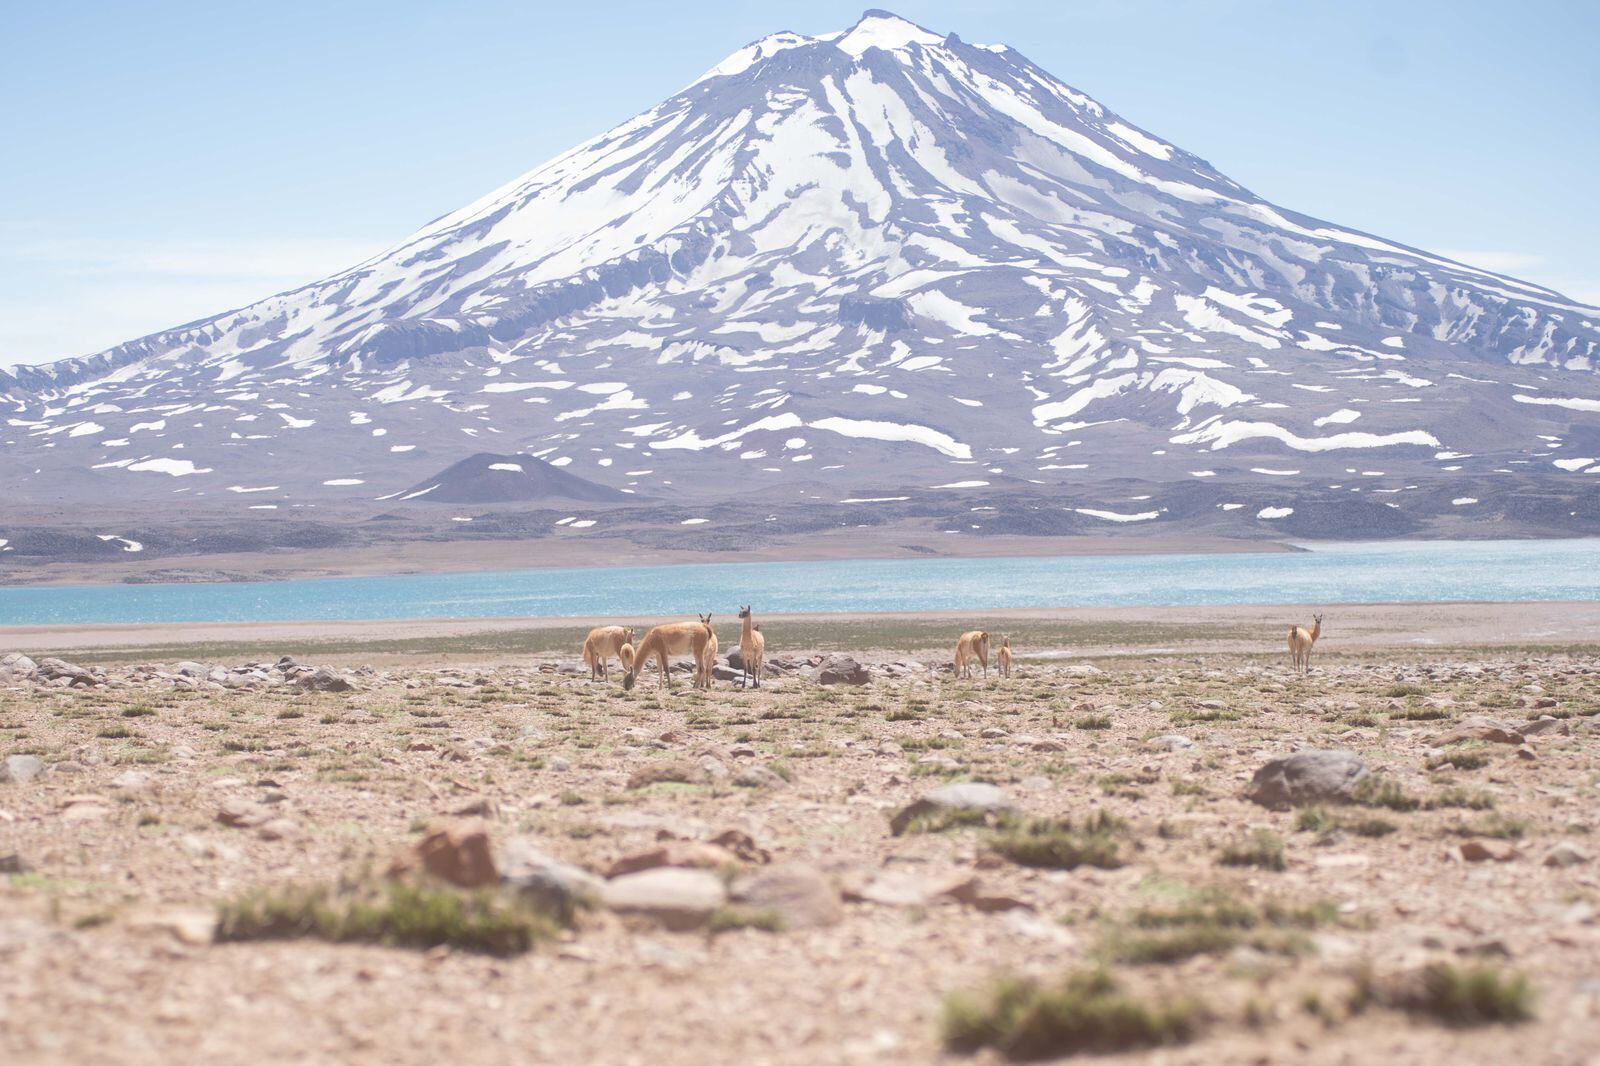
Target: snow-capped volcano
{"type": "Point", "coordinates": [881, 256]}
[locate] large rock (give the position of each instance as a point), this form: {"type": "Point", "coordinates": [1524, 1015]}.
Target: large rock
{"type": "Point", "coordinates": [60, 670]}
{"type": "Point", "coordinates": [1480, 728]}
{"type": "Point", "coordinates": [799, 895]}
{"type": "Point", "coordinates": [674, 897]}
{"type": "Point", "coordinates": [20, 769]}
{"type": "Point", "coordinates": [550, 883]}
{"type": "Point", "coordinates": [1306, 777]}
{"type": "Point", "coordinates": [323, 679]}
{"type": "Point", "coordinates": [968, 797]}
{"type": "Point", "coordinates": [1545, 727]}
{"type": "Point", "coordinates": [458, 852]}
{"type": "Point", "coordinates": [839, 669]}
{"type": "Point", "coordinates": [16, 667]}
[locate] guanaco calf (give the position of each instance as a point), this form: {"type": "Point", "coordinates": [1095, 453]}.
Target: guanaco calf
{"type": "Point", "coordinates": [752, 648]}
{"type": "Point", "coordinates": [603, 643]}
{"type": "Point", "coordinates": [1004, 656]}
{"type": "Point", "coordinates": [673, 638]}
{"type": "Point", "coordinates": [972, 645]}
{"type": "Point", "coordinates": [1301, 640]}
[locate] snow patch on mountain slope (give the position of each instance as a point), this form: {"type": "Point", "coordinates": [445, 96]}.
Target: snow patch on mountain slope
{"type": "Point", "coordinates": [1223, 434]}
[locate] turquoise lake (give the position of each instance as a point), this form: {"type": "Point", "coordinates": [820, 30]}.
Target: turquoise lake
{"type": "Point", "coordinates": [1384, 572]}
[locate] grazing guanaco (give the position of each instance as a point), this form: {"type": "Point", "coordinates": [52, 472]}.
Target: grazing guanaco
{"type": "Point", "coordinates": [752, 648]}
{"type": "Point", "coordinates": [972, 645]}
{"type": "Point", "coordinates": [1301, 641]}
{"type": "Point", "coordinates": [709, 658]}
{"type": "Point", "coordinates": [672, 638]}
{"type": "Point", "coordinates": [1004, 656]}
{"type": "Point", "coordinates": [603, 643]}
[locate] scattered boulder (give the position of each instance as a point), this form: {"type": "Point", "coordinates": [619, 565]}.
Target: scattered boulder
{"type": "Point", "coordinates": [968, 797]}
{"type": "Point", "coordinates": [549, 883]}
{"type": "Point", "coordinates": [16, 667]}
{"type": "Point", "coordinates": [58, 671]}
{"type": "Point", "coordinates": [837, 669]}
{"type": "Point", "coordinates": [743, 845]}
{"type": "Point", "coordinates": [1306, 777]}
{"type": "Point", "coordinates": [278, 829]}
{"type": "Point", "coordinates": [1479, 728]}
{"type": "Point", "coordinates": [132, 782]}
{"type": "Point", "coordinates": [1566, 853]}
{"type": "Point", "coordinates": [20, 769]}
{"type": "Point", "coordinates": [1545, 727]}
{"type": "Point", "coordinates": [674, 897]}
{"type": "Point", "coordinates": [672, 771]}
{"type": "Point", "coordinates": [1169, 742]}
{"type": "Point", "coordinates": [690, 853]}
{"type": "Point", "coordinates": [800, 896]}
{"type": "Point", "coordinates": [85, 807]}
{"type": "Point", "coordinates": [242, 814]}
{"type": "Point", "coordinates": [458, 852]}
{"type": "Point", "coordinates": [323, 679]}
{"type": "Point", "coordinates": [1486, 850]}
{"type": "Point", "coordinates": [915, 888]}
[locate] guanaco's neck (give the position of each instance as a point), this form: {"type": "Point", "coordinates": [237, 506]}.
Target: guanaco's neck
{"type": "Point", "coordinates": [749, 624]}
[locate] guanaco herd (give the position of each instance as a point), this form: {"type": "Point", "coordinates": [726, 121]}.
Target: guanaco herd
{"type": "Point", "coordinates": [699, 641]}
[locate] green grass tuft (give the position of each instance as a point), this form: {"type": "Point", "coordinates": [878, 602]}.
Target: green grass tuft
{"type": "Point", "coordinates": [1211, 922]}
{"type": "Point", "coordinates": [396, 913]}
{"type": "Point", "coordinates": [1262, 848]}
{"type": "Point", "coordinates": [726, 919]}
{"type": "Point", "coordinates": [1377, 791]}
{"type": "Point", "coordinates": [1456, 996]}
{"type": "Point", "coordinates": [1025, 1020]}
{"type": "Point", "coordinates": [1059, 844]}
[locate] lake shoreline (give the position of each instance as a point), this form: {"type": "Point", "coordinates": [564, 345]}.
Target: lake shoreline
{"type": "Point", "coordinates": [1325, 575]}
{"type": "Point", "coordinates": [1077, 631]}
{"type": "Point", "coordinates": [385, 559]}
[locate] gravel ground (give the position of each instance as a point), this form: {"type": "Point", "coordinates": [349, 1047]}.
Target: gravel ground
{"type": "Point", "coordinates": [118, 855]}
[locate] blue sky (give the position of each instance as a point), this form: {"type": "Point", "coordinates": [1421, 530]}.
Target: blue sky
{"type": "Point", "coordinates": [166, 161]}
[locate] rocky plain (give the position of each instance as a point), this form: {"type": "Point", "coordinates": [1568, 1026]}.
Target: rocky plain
{"type": "Point", "coordinates": [1190, 857]}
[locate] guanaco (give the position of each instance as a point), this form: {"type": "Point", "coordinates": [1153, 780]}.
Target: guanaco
{"type": "Point", "coordinates": [708, 658]}
{"type": "Point", "coordinates": [1301, 641]}
{"type": "Point", "coordinates": [972, 645]}
{"type": "Point", "coordinates": [672, 638]}
{"type": "Point", "coordinates": [752, 648]}
{"type": "Point", "coordinates": [603, 643]}
{"type": "Point", "coordinates": [1004, 656]}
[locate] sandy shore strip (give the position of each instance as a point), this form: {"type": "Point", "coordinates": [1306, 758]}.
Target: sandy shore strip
{"type": "Point", "coordinates": [1037, 632]}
